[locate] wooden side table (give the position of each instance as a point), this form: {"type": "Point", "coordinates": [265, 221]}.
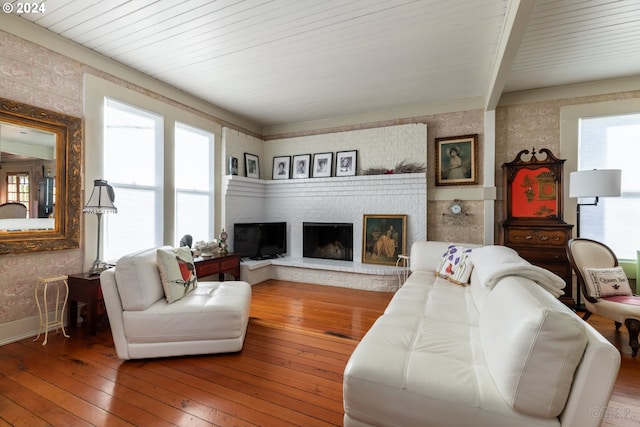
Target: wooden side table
{"type": "Point", "coordinates": [218, 264]}
{"type": "Point", "coordinates": [84, 288]}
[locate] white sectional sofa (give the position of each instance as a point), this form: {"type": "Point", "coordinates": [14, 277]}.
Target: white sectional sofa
{"type": "Point", "coordinates": [502, 351]}
{"type": "Point", "coordinates": [212, 318]}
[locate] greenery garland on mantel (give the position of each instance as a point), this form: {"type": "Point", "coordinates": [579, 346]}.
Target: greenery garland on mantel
{"type": "Point", "coordinates": [402, 167]}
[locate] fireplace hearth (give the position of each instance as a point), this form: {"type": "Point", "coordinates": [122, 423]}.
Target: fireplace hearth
{"type": "Point", "coordinates": [327, 240]}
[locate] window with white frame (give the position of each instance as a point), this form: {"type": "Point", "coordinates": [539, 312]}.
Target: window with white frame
{"type": "Point", "coordinates": [133, 165]}
{"type": "Point", "coordinates": [18, 188]}
{"type": "Point", "coordinates": [194, 200]}
{"type": "Point", "coordinates": [612, 142]}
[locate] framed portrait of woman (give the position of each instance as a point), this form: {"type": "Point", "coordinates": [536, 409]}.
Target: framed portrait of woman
{"type": "Point", "coordinates": [457, 160]}
{"type": "Point", "coordinates": [383, 238]}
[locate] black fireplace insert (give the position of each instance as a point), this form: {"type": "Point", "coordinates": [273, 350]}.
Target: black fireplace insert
{"type": "Point", "coordinates": [328, 240]}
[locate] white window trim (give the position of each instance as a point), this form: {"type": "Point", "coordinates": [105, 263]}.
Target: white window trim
{"type": "Point", "coordinates": [569, 137]}
{"type": "Point", "coordinates": [96, 90]}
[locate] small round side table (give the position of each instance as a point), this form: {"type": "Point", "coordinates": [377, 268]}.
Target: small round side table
{"type": "Point", "coordinates": [58, 321]}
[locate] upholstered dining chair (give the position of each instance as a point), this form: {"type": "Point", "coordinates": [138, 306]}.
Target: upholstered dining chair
{"type": "Point", "coordinates": [604, 286]}
{"type": "Point", "coordinates": [13, 210]}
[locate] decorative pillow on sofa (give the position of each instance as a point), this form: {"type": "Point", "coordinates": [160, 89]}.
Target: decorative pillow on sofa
{"type": "Point", "coordinates": [607, 282]}
{"type": "Point", "coordinates": [177, 271]}
{"type": "Point", "coordinates": [455, 265]}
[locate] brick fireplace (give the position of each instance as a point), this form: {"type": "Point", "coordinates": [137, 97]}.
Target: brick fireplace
{"type": "Point", "coordinates": [343, 200]}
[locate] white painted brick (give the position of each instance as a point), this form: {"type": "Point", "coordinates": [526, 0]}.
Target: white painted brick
{"type": "Point", "coordinates": [335, 199]}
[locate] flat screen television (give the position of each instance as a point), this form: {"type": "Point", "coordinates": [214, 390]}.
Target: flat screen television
{"type": "Point", "coordinates": [260, 240]}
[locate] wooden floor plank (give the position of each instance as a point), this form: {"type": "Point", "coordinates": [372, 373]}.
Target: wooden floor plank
{"type": "Point", "coordinates": [289, 372]}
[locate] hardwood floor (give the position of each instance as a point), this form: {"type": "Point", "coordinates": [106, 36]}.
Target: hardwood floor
{"type": "Point", "coordinates": [288, 374]}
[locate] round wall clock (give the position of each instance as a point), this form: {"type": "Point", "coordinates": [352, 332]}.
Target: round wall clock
{"type": "Point", "coordinates": [455, 208]}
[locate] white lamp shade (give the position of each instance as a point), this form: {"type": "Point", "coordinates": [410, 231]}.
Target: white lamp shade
{"type": "Point", "coordinates": [595, 183]}
{"type": "Point", "coordinates": [101, 199]}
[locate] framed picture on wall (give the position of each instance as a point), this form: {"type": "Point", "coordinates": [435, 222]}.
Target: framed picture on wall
{"type": "Point", "coordinates": [281, 167]}
{"type": "Point", "coordinates": [233, 165]}
{"type": "Point", "coordinates": [346, 163]}
{"type": "Point", "coordinates": [457, 160]}
{"type": "Point", "coordinates": [251, 166]}
{"type": "Point", "coordinates": [322, 164]}
{"type": "Point", "coordinates": [384, 237]}
{"type": "Point", "coordinates": [301, 165]}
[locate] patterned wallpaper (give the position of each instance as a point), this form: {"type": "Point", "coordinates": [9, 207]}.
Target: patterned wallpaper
{"type": "Point", "coordinates": [36, 76]}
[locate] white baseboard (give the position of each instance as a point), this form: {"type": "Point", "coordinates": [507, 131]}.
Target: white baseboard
{"type": "Point", "coordinates": [24, 328]}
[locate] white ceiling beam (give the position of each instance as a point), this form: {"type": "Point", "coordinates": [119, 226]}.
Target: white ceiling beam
{"type": "Point", "coordinates": [516, 20]}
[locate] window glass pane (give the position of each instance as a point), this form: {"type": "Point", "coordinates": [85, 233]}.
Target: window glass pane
{"type": "Point", "coordinates": [131, 153]}
{"type": "Point", "coordinates": [612, 142]}
{"type": "Point", "coordinates": [136, 224]}
{"type": "Point", "coordinates": [193, 159]}
{"type": "Point", "coordinates": [194, 183]}
{"type": "Point", "coordinates": [133, 166]}
{"type": "Point", "coordinates": [18, 189]}
{"type": "Point", "coordinates": [193, 216]}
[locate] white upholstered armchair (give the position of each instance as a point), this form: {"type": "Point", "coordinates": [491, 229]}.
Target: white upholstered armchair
{"type": "Point", "coordinates": [603, 286]}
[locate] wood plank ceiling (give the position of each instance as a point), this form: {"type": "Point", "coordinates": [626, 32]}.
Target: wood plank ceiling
{"type": "Point", "coordinates": [278, 62]}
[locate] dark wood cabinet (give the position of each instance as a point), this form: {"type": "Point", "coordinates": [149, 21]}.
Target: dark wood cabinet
{"type": "Point", "coordinates": [533, 214]}
{"type": "Point", "coordinates": [84, 287]}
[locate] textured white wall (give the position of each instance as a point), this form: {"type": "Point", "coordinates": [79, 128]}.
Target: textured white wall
{"type": "Point", "coordinates": [337, 199]}
{"type": "Point", "coordinates": [377, 147]}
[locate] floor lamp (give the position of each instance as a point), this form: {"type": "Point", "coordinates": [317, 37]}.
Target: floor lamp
{"type": "Point", "coordinates": [100, 202]}
{"type": "Point", "coordinates": [594, 183]}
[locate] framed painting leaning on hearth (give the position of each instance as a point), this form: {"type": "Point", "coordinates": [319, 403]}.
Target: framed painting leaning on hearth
{"type": "Point", "coordinates": [384, 237]}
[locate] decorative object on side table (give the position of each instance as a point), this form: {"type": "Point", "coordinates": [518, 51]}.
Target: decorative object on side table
{"type": "Point", "coordinates": [100, 202]}
{"type": "Point", "coordinates": [206, 249]}
{"type": "Point", "coordinates": [222, 243]}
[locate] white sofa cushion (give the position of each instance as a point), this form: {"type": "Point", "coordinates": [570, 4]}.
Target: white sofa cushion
{"type": "Point", "coordinates": [421, 362]}
{"type": "Point", "coordinates": [213, 311]}
{"type": "Point", "coordinates": [532, 345]}
{"type": "Point", "coordinates": [138, 279]}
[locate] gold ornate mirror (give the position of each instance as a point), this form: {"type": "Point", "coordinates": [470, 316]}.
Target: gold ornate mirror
{"type": "Point", "coordinates": [40, 168]}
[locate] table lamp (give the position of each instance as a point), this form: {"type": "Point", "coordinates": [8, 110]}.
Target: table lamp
{"type": "Point", "coordinates": [100, 202]}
